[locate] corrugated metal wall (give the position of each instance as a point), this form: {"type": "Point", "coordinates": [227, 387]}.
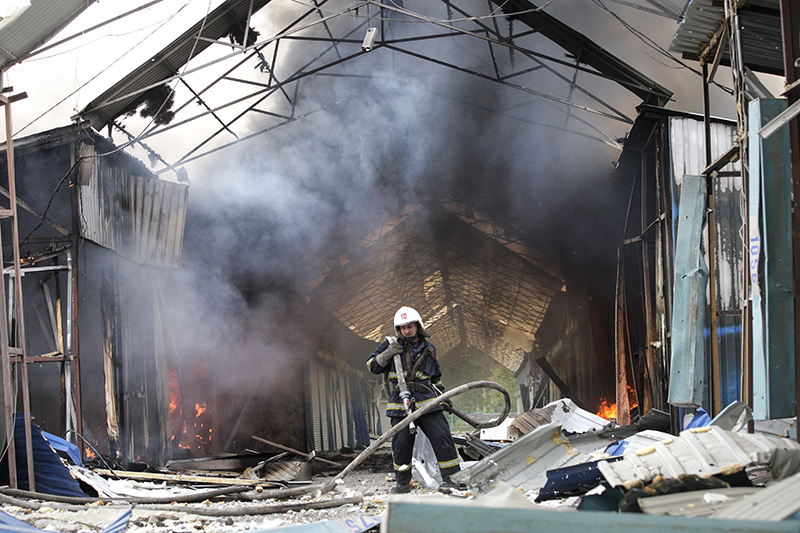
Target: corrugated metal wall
{"type": "Point", "coordinates": [687, 143]}
{"type": "Point", "coordinates": [341, 410]}
{"type": "Point", "coordinates": [140, 218]}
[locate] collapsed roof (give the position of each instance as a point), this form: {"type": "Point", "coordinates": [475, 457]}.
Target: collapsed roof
{"type": "Point", "coordinates": [483, 287]}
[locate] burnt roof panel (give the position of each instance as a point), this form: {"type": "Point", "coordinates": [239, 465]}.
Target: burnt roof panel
{"type": "Point", "coordinates": [35, 26]}
{"type": "Point", "coordinates": [228, 17]}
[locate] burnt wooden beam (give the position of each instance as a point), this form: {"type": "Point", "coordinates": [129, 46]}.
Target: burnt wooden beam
{"type": "Point", "coordinates": [565, 389]}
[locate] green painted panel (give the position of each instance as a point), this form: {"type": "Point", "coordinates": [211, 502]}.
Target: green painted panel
{"type": "Point", "coordinates": [687, 360]}
{"type": "Point", "coordinates": [464, 516]}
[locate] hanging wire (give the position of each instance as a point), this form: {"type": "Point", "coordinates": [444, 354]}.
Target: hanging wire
{"type": "Point", "coordinates": [171, 92]}
{"type": "Point", "coordinates": [101, 72]}
{"type": "Point", "coordinates": [655, 46]}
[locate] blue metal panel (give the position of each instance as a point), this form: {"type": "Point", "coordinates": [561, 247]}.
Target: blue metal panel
{"type": "Point", "coordinates": [50, 474]}
{"type": "Point", "coordinates": [687, 363]}
{"type": "Point", "coordinates": [774, 375]}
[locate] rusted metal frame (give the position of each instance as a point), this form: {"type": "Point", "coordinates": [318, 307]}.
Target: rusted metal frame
{"type": "Point", "coordinates": [27, 207]}
{"type": "Point", "coordinates": [790, 26]}
{"type": "Point", "coordinates": [507, 84]}
{"type": "Point", "coordinates": [53, 357]}
{"type": "Point", "coordinates": [204, 104]}
{"type": "Point", "coordinates": [271, 114]}
{"type": "Point", "coordinates": [535, 56]}
{"type": "Point", "coordinates": [665, 238]}
{"type": "Point", "coordinates": [608, 139]}
{"type": "Point", "coordinates": [626, 329]}
{"type": "Point", "coordinates": [521, 72]}
{"type": "Point", "coordinates": [327, 28]}
{"type": "Point", "coordinates": [572, 85]}
{"type": "Point", "coordinates": [621, 346]}
{"type": "Point", "coordinates": [299, 74]}
{"type": "Point", "coordinates": [29, 262]}
{"type": "Point", "coordinates": [247, 24]}
{"type": "Point", "coordinates": [736, 55]}
{"type": "Point", "coordinates": [491, 48]}
{"type": "Point", "coordinates": [653, 369]}
{"type": "Point", "coordinates": [223, 58]}
{"type": "Point", "coordinates": [581, 89]}
{"type": "Point", "coordinates": [17, 298]}
{"type": "Point", "coordinates": [140, 141]}
{"type": "Point", "coordinates": [716, 381]}
{"type": "Point", "coordinates": [274, 60]}
{"type": "Point", "coordinates": [504, 43]}
{"type": "Point", "coordinates": [54, 314]}
{"type": "Point", "coordinates": [568, 39]}
{"type": "Point", "coordinates": [8, 399]}
{"type": "Point", "coordinates": [73, 340]}
{"type": "Point", "coordinates": [544, 364]}
{"type": "Point", "coordinates": [186, 157]}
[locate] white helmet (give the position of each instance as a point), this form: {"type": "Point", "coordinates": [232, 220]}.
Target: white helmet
{"type": "Point", "coordinates": [405, 316]}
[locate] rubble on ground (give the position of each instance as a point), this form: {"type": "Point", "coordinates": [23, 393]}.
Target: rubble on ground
{"type": "Point", "coordinates": [557, 458]}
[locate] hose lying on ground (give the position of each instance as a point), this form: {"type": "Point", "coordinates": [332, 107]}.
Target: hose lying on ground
{"type": "Point", "coordinates": [327, 487]}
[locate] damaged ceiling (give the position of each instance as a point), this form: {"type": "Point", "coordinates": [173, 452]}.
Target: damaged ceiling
{"type": "Point", "coordinates": [477, 274]}
{"type": "Point", "coordinates": [480, 285]}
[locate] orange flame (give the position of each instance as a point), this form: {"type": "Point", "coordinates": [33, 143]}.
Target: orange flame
{"type": "Point", "coordinates": [607, 411]}
{"type": "Point", "coordinates": [174, 389]}
{"type": "Point", "coordinates": [200, 408]}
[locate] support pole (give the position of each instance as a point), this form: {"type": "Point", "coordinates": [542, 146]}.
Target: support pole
{"type": "Point", "coordinates": [8, 398]}
{"type": "Point", "coordinates": [17, 297]}
{"type": "Point", "coordinates": [790, 26]}
{"type": "Point", "coordinates": [716, 384]}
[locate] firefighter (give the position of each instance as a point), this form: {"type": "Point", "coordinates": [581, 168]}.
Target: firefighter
{"type": "Point", "coordinates": [423, 378]}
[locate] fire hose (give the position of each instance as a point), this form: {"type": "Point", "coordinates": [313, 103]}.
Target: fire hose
{"type": "Point", "coordinates": [329, 486]}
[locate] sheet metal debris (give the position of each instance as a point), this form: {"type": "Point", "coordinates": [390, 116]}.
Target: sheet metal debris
{"type": "Point", "coordinates": [524, 463]}
{"type": "Point", "coordinates": [572, 418]}
{"type": "Point", "coordinates": [696, 503]}
{"type": "Point", "coordinates": [703, 451]}
{"type": "Point", "coordinates": [776, 502]}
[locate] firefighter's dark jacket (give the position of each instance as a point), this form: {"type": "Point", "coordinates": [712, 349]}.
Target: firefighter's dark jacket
{"type": "Point", "coordinates": [426, 376]}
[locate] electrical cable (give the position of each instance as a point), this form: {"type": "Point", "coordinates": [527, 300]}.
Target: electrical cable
{"type": "Point", "coordinates": [50, 201]}
{"type": "Point", "coordinates": [652, 44]}
{"type": "Point", "coordinates": [94, 450]}
{"type": "Point", "coordinates": [99, 73]}
{"type": "Point", "coordinates": [178, 79]}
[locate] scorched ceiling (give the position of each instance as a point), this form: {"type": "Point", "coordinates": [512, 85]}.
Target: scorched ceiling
{"type": "Point", "coordinates": [476, 287]}
{"type": "Point", "coordinates": [251, 67]}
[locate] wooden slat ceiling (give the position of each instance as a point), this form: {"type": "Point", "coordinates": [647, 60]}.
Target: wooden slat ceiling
{"type": "Point", "coordinates": [475, 289]}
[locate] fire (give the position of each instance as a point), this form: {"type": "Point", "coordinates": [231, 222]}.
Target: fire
{"type": "Point", "coordinates": [200, 408]}
{"type": "Point", "coordinates": [174, 389]}
{"type": "Point", "coordinates": [89, 453]}
{"type": "Point", "coordinates": [607, 411]}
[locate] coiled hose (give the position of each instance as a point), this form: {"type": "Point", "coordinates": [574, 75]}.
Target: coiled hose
{"type": "Point", "coordinates": [327, 487]}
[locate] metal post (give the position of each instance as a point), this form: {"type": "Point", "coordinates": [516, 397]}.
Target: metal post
{"type": "Point", "coordinates": [72, 261]}
{"type": "Point", "coordinates": [20, 325]}
{"type": "Point", "coordinates": [20, 329]}
{"type": "Point", "coordinates": [790, 25]}
{"type": "Point", "coordinates": [4, 345]}
{"type": "Point", "coordinates": [716, 386]}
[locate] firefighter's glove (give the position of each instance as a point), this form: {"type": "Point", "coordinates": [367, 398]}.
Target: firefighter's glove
{"type": "Point", "coordinates": [386, 356]}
